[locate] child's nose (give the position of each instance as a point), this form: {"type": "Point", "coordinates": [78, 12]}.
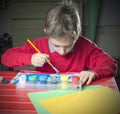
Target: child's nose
{"type": "Point", "coordinates": [62, 51]}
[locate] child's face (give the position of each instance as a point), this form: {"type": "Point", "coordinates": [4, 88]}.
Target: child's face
{"type": "Point", "coordinates": [63, 45]}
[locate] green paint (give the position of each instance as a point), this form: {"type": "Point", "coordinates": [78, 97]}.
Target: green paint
{"type": "Point", "coordinates": [33, 78]}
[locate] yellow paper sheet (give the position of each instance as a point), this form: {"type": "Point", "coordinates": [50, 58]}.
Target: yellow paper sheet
{"type": "Point", "coordinates": [98, 101]}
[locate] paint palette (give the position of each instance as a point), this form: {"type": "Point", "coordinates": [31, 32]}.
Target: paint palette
{"type": "Point", "coordinates": [47, 81]}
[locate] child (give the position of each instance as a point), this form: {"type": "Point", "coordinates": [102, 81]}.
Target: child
{"type": "Point", "coordinates": [64, 48]}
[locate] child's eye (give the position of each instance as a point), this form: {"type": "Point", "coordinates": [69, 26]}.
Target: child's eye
{"type": "Point", "coordinates": [56, 46]}
{"type": "Point", "coordinates": [68, 46]}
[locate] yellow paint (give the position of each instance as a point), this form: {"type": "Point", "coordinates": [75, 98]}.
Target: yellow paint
{"type": "Point", "coordinates": [64, 85]}
{"type": "Point", "coordinates": [64, 78]}
{"type": "Point", "coordinates": [64, 81]}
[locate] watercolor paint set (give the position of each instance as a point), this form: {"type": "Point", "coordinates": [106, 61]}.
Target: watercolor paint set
{"type": "Point", "coordinates": [46, 81]}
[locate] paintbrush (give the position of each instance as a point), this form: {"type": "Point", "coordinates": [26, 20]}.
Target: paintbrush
{"type": "Point", "coordinates": [37, 50]}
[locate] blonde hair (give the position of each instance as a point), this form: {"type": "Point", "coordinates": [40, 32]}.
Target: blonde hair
{"type": "Point", "coordinates": [63, 20]}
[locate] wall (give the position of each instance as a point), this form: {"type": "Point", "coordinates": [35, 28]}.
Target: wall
{"type": "Point", "coordinates": [5, 19]}
{"type": "Point", "coordinates": [108, 34]}
{"type": "Point", "coordinates": [109, 30]}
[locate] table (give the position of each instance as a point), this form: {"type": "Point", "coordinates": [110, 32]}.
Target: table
{"type": "Point", "coordinates": [13, 101]}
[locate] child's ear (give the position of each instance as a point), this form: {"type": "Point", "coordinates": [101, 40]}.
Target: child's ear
{"type": "Point", "coordinates": [45, 30]}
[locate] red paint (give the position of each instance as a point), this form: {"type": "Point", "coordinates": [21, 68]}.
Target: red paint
{"type": "Point", "coordinates": [75, 79]}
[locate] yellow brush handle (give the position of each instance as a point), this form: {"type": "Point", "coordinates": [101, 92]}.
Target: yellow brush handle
{"type": "Point", "coordinates": [33, 46]}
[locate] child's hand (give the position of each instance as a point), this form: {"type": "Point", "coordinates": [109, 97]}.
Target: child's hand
{"type": "Point", "coordinates": [87, 77]}
{"type": "Point", "coordinates": [39, 59]}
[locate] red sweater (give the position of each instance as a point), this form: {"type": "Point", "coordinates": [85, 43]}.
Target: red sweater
{"type": "Point", "coordinates": [86, 54]}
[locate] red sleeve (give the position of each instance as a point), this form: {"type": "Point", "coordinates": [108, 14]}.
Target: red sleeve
{"type": "Point", "coordinates": [100, 62]}
{"type": "Point", "coordinates": [17, 56]}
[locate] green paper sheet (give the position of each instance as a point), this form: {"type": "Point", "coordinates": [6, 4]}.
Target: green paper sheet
{"type": "Point", "coordinates": [35, 97]}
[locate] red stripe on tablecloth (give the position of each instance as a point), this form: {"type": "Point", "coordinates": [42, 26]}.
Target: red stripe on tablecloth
{"type": "Point", "coordinates": [18, 112]}
{"type": "Point", "coordinates": [16, 106]}
{"type": "Point", "coordinates": [16, 98]}
{"type": "Point", "coordinates": [7, 86]}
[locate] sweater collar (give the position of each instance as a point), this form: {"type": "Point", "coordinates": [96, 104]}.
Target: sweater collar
{"type": "Point", "coordinates": [52, 50]}
{"type": "Point", "coordinates": [50, 46]}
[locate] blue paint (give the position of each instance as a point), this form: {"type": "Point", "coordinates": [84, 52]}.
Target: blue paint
{"type": "Point", "coordinates": [43, 79]}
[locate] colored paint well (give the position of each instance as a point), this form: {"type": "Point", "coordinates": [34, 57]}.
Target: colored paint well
{"type": "Point", "coordinates": [64, 78]}
{"type": "Point", "coordinates": [43, 79]}
{"type": "Point", "coordinates": [75, 79]}
{"type": "Point", "coordinates": [33, 79]}
{"type": "Point", "coordinates": [54, 79]}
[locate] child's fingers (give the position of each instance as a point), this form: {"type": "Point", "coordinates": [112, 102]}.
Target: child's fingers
{"type": "Point", "coordinates": [89, 81]}
{"type": "Point", "coordinates": [86, 77]}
